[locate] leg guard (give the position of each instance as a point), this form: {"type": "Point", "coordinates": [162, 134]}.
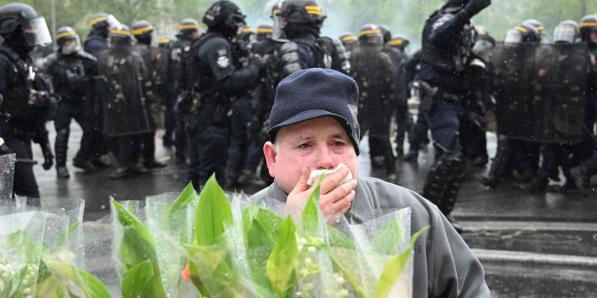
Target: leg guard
{"type": "Point", "coordinates": [443, 182]}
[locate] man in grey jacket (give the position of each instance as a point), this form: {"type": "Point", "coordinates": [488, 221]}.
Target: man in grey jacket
{"type": "Point", "coordinates": [313, 126]}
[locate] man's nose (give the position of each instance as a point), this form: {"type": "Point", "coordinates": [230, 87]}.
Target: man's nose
{"type": "Point", "coordinates": [324, 158]}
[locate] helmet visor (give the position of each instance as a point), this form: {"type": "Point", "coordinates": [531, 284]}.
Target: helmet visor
{"type": "Point", "coordinates": [36, 32]}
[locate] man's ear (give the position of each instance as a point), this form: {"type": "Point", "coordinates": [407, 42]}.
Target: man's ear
{"type": "Point", "coordinates": [269, 151]}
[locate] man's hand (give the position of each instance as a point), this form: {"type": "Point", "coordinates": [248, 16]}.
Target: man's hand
{"type": "Point", "coordinates": [335, 198]}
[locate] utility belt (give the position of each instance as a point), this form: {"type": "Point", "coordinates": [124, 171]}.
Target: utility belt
{"type": "Point", "coordinates": [430, 95]}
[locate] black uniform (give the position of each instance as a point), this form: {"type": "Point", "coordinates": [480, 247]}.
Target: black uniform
{"type": "Point", "coordinates": [74, 78]}
{"type": "Point", "coordinates": [374, 71]}
{"type": "Point", "coordinates": [26, 105]}
{"type": "Point", "coordinates": [124, 106]}
{"type": "Point", "coordinates": [156, 63]}
{"type": "Point", "coordinates": [447, 45]}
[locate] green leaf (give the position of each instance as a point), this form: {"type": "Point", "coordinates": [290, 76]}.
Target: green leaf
{"type": "Point", "coordinates": [258, 237]}
{"type": "Point", "coordinates": [137, 246]}
{"type": "Point", "coordinates": [388, 240]}
{"type": "Point", "coordinates": [394, 268]}
{"type": "Point", "coordinates": [209, 269]}
{"type": "Point", "coordinates": [92, 286]}
{"type": "Point", "coordinates": [311, 218]}
{"type": "Point", "coordinates": [213, 213]}
{"type": "Point", "coordinates": [179, 207]}
{"type": "Point", "coordinates": [136, 279]}
{"type": "Point", "coordinates": [282, 261]}
{"type": "Point", "coordinates": [25, 244]}
{"type": "Point", "coordinates": [65, 236]}
{"type": "Point", "coordinates": [337, 238]}
{"type": "Point", "coordinates": [354, 282]}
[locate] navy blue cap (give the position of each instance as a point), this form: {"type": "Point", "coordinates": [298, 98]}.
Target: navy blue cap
{"type": "Point", "coordinates": [314, 93]}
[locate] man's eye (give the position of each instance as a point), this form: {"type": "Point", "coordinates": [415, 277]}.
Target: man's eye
{"type": "Point", "coordinates": [339, 143]}
{"type": "Point", "coordinates": [304, 146]}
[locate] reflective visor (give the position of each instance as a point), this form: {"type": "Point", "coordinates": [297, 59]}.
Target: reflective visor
{"type": "Point", "coordinates": [36, 32]}
{"type": "Point", "coordinates": [514, 36]}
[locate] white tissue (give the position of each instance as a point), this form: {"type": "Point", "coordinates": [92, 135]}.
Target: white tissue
{"type": "Point", "coordinates": [315, 175]}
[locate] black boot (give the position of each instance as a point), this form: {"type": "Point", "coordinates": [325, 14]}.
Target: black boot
{"type": "Point", "coordinates": [411, 156]}
{"type": "Point", "coordinates": [582, 179]}
{"type": "Point", "coordinates": [62, 172]}
{"type": "Point", "coordinates": [87, 166]}
{"type": "Point", "coordinates": [537, 184]}
{"type": "Point", "coordinates": [60, 148]}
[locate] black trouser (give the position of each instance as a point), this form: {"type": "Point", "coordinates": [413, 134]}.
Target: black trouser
{"type": "Point", "coordinates": [208, 154]}
{"type": "Point", "coordinates": [128, 149]}
{"type": "Point", "coordinates": [378, 125]}
{"type": "Point", "coordinates": [148, 146]}
{"type": "Point", "coordinates": [405, 123]}
{"type": "Point", "coordinates": [24, 180]}
{"type": "Point", "coordinates": [474, 139]}
{"type": "Point", "coordinates": [242, 115]}
{"type": "Point", "coordinates": [182, 135]}
{"type": "Point", "coordinates": [66, 112]}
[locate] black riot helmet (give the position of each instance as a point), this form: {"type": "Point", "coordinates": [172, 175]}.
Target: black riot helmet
{"type": "Point", "coordinates": [386, 33]}
{"type": "Point", "coordinates": [400, 43]}
{"type": "Point", "coordinates": [68, 40]}
{"type": "Point", "coordinates": [224, 17]}
{"type": "Point", "coordinates": [588, 24]}
{"type": "Point", "coordinates": [349, 41]}
{"type": "Point", "coordinates": [537, 25]}
{"type": "Point", "coordinates": [523, 33]}
{"type": "Point", "coordinates": [101, 23]}
{"type": "Point", "coordinates": [165, 42]}
{"type": "Point", "coordinates": [566, 32]}
{"type": "Point", "coordinates": [22, 28]}
{"type": "Point", "coordinates": [300, 16]}
{"type": "Point", "coordinates": [371, 34]}
{"type": "Point", "coordinates": [188, 29]}
{"type": "Point", "coordinates": [121, 36]}
{"type": "Point", "coordinates": [142, 31]}
{"type": "Point", "coordinates": [264, 32]}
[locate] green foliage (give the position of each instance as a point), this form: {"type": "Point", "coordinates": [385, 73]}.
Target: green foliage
{"type": "Point", "coordinates": [213, 213]}
{"type": "Point", "coordinates": [138, 246]}
{"type": "Point", "coordinates": [394, 268]}
{"type": "Point", "coordinates": [281, 264]}
{"type": "Point", "coordinates": [136, 279]}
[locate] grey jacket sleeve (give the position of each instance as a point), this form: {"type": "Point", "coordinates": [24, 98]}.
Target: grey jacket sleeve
{"type": "Point", "coordinates": [444, 265]}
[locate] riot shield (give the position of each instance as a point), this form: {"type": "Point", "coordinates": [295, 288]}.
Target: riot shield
{"type": "Point", "coordinates": [513, 70]}
{"type": "Point", "coordinates": [7, 173]}
{"type": "Point", "coordinates": [559, 85]}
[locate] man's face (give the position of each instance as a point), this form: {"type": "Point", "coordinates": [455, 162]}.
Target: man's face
{"type": "Point", "coordinates": [320, 143]}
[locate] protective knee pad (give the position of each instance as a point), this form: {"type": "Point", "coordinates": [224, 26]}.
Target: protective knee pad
{"type": "Point", "coordinates": [443, 182]}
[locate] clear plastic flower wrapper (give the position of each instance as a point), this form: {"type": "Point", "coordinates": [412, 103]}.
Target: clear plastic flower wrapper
{"type": "Point", "coordinates": [7, 173]}
{"type": "Point", "coordinates": [38, 253]}
{"type": "Point", "coordinates": [238, 248]}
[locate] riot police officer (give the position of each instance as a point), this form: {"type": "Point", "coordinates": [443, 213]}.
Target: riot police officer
{"type": "Point", "coordinates": [553, 62]}
{"type": "Point", "coordinates": [156, 66]}
{"type": "Point", "coordinates": [538, 25]}
{"type": "Point", "coordinates": [125, 114]}
{"type": "Point", "coordinates": [263, 32]}
{"type": "Point", "coordinates": [97, 40]}
{"type": "Point", "coordinates": [73, 72]}
{"type": "Point", "coordinates": [581, 174]}
{"type": "Point", "coordinates": [512, 154]}
{"type": "Point", "coordinates": [25, 96]}
{"type": "Point", "coordinates": [447, 44]}
{"type": "Point", "coordinates": [219, 81]}
{"type": "Point", "coordinates": [301, 22]}
{"type": "Point", "coordinates": [349, 41]}
{"type": "Point", "coordinates": [375, 72]}
{"type": "Point", "coordinates": [178, 106]}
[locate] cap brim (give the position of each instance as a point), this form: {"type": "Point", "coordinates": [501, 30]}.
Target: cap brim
{"type": "Point", "coordinates": [304, 116]}
{"type": "Point", "coordinates": [314, 114]}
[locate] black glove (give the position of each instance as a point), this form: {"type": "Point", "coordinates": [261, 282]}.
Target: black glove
{"type": "Point", "coordinates": [258, 60]}
{"type": "Point", "coordinates": [48, 157]}
{"type": "Point", "coordinates": [473, 7]}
